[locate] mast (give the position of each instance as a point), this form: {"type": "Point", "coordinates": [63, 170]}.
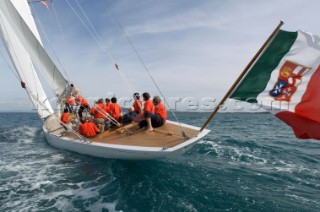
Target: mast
{"type": "Point", "coordinates": [244, 72]}
{"type": "Point", "coordinates": [21, 60]}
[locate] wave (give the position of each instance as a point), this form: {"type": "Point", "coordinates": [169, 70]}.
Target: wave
{"type": "Point", "coordinates": [49, 183]}
{"type": "Point", "coordinates": [263, 158]}
{"type": "Point", "coordinates": [22, 134]}
{"type": "Point", "coordinates": [240, 155]}
{"type": "Point", "coordinates": [236, 167]}
{"type": "Point", "coordinates": [100, 205]}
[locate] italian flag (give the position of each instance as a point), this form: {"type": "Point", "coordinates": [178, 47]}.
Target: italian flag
{"type": "Point", "coordinates": [285, 80]}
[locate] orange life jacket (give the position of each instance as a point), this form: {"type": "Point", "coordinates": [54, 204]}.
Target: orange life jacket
{"type": "Point", "coordinates": [137, 105]}
{"type": "Point", "coordinates": [88, 129]}
{"type": "Point", "coordinates": [81, 101]}
{"type": "Point", "coordinates": [70, 100]}
{"type": "Point", "coordinates": [107, 107]}
{"type": "Point", "coordinates": [161, 111]}
{"type": "Point", "coordinates": [65, 118]}
{"type": "Point", "coordinates": [115, 111]}
{"type": "Point", "coordinates": [148, 106]}
{"type": "Point", "coordinates": [98, 111]}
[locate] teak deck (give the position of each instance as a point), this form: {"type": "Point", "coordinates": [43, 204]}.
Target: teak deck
{"type": "Point", "coordinates": [168, 135]}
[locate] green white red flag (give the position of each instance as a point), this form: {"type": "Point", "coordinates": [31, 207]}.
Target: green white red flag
{"type": "Point", "coordinates": [286, 81]}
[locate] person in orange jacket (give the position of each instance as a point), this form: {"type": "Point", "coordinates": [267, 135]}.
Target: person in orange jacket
{"type": "Point", "coordinates": [148, 111]}
{"type": "Point", "coordinates": [134, 111]}
{"type": "Point", "coordinates": [70, 103]}
{"type": "Point", "coordinates": [137, 104]}
{"type": "Point", "coordinates": [83, 104]}
{"type": "Point", "coordinates": [148, 106]}
{"type": "Point", "coordinates": [99, 114]}
{"type": "Point", "coordinates": [160, 109]}
{"type": "Point", "coordinates": [107, 105]}
{"type": "Point", "coordinates": [87, 128]}
{"type": "Point", "coordinates": [156, 119]}
{"type": "Point", "coordinates": [115, 109]}
{"type": "Point", "coordinates": [65, 119]}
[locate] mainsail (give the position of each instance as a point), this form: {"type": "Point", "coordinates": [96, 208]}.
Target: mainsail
{"type": "Point", "coordinates": [21, 59]}
{"type": "Point", "coordinates": [29, 38]}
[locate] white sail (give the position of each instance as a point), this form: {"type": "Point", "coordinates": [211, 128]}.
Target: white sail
{"type": "Point", "coordinates": [29, 40]}
{"type": "Point", "coordinates": [21, 59]}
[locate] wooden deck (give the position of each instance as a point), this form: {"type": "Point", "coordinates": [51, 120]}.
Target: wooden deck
{"type": "Point", "coordinates": [168, 135]}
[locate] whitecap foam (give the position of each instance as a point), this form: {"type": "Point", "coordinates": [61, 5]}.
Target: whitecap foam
{"type": "Point", "coordinates": [289, 167]}
{"type": "Point", "coordinates": [301, 199]}
{"type": "Point", "coordinates": [24, 182]}
{"type": "Point", "coordinates": [23, 134]}
{"type": "Point", "coordinates": [243, 155]}
{"type": "Point", "coordinates": [186, 206]}
{"type": "Point", "coordinates": [100, 205]}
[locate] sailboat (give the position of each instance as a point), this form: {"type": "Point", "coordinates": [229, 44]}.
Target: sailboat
{"type": "Point", "coordinates": [23, 44]}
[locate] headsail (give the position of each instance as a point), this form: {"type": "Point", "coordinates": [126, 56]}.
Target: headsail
{"type": "Point", "coordinates": [21, 59]}
{"type": "Point", "coordinates": [31, 43]}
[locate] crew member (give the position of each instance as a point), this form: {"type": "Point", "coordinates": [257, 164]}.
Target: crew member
{"type": "Point", "coordinates": [99, 114]}
{"type": "Point", "coordinates": [87, 128]}
{"type": "Point", "coordinates": [65, 119]}
{"type": "Point", "coordinates": [160, 111]}
{"type": "Point", "coordinates": [115, 109]}
{"type": "Point", "coordinates": [137, 104]}
{"type": "Point", "coordinates": [129, 117]}
{"type": "Point", "coordinates": [133, 111]}
{"type": "Point", "coordinates": [148, 111]}
{"type": "Point", "coordinates": [157, 119]}
{"type": "Point", "coordinates": [83, 104]}
{"type": "Point", "coordinates": [107, 105]}
{"type": "Point", "coordinates": [148, 107]}
{"type": "Point", "coordinates": [70, 103]}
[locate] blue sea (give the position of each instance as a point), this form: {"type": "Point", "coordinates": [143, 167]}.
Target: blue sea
{"type": "Point", "coordinates": [248, 162]}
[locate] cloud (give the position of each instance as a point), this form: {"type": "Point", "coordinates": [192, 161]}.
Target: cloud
{"type": "Point", "coordinates": [194, 48]}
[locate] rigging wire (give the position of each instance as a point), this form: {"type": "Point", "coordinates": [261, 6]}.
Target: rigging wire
{"type": "Point", "coordinates": [100, 43]}
{"type": "Point", "coordinates": [48, 41]}
{"type": "Point", "coordinates": [103, 46]}
{"type": "Point", "coordinates": [59, 26]}
{"type": "Point", "coordinates": [93, 32]}
{"type": "Point", "coordinates": [92, 27]}
{"type": "Point", "coordinates": [84, 24]}
{"type": "Point", "coordinates": [144, 66]}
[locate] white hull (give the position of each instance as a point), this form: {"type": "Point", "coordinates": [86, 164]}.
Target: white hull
{"type": "Point", "coordinates": [122, 151]}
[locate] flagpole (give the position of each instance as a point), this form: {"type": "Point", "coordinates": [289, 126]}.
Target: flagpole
{"type": "Point", "coordinates": [246, 69]}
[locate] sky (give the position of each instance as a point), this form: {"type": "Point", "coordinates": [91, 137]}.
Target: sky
{"type": "Point", "coordinates": [194, 50]}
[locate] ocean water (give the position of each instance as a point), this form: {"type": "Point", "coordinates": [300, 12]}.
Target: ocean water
{"type": "Point", "coordinates": [249, 162]}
